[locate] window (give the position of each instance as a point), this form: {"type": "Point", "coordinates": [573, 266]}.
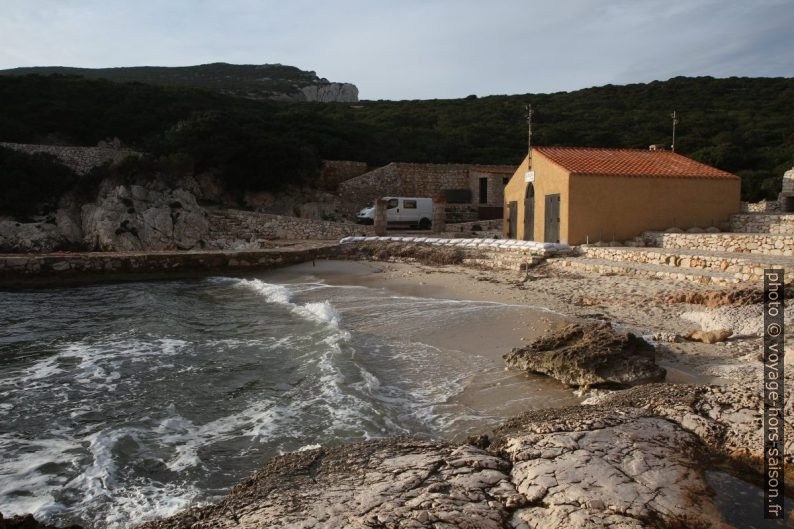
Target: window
{"type": "Point", "coordinates": [392, 203]}
{"type": "Point", "coordinates": [409, 204]}
{"type": "Point", "coordinates": [483, 190]}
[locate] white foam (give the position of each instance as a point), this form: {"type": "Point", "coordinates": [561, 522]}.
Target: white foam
{"type": "Point", "coordinates": [322, 311]}
{"type": "Point", "coordinates": [272, 292]}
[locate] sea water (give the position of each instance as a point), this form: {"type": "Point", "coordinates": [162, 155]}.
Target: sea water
{"type": "Point", "coordinates": [124, 402]}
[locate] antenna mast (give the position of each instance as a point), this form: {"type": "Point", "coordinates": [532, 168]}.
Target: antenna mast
{"type": "Point", "coordinates": [675, 122]}
{"type": "Point", "coordinates": [529, 130]}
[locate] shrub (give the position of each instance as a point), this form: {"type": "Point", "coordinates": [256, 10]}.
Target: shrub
{"type": "Point", "coordinates": [31, 183]}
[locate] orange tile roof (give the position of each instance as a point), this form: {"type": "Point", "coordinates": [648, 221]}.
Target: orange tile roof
{"type": "Point", "coordinates": [629, 162]}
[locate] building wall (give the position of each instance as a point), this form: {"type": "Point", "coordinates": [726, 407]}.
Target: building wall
{"type": "Point", "coordinates": [606, 208]}
{"type": "Point", "coordinates": [594, 208]}
{"type": "Point", "coordinates": [550, 179]}
{"type": "Point", "coordinates": [495, 195]}
{"type": "Point", "coordinates": [423, 180]}
{"type": "Point", "coordinates": [427, 180]}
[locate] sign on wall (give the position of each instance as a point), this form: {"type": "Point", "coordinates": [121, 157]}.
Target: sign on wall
{"type": "Point", "coordinates": [529, 176]}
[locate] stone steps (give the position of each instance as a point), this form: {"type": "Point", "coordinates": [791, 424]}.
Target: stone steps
{"type": "Point", "coordinates": [652, 271]}
{"type": "Point", "coordinates": [745, 243]}
{"type": "Point", "coordinates": [744, 266]}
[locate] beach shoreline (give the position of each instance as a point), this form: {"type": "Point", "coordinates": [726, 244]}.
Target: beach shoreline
{"type": "Point", "coordinates": [546, 300]}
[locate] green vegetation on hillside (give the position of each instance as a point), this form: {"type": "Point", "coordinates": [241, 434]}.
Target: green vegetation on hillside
{"type": "Point", "coordinates": [741, 125]}
{"type": "Point", "coordinates": [29, 181]}
{"type": "Point", "coordinates": [244, 80]}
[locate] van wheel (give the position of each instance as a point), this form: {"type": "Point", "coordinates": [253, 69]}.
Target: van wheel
{"type": "Point", "coordinates": [424, 224]}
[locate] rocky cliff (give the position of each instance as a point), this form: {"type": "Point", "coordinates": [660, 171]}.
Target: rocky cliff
{"type": "Point", "coordinates": [251, 81]}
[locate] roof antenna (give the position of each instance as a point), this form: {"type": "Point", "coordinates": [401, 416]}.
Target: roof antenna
{"type": "Point", "coordinates": [675, 122]}
{"type": "Point", "coordinates": [529, 130]}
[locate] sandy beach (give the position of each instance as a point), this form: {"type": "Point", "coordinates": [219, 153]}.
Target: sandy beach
{"type": "Point", "coordinates": [553, 299]}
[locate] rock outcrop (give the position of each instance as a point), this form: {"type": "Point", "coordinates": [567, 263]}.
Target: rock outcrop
{"type": "Point", "coordinates": [590, 354]}
{"type": "Point", "coordinates": [59, 231]}
{"type": "Point", "coordinates": [28, 522]}
{"type": "Point", "coordinates": [605, 467]}
{"type": "Point", "coordinates": [581, 467]}
{"type": "Point", "coordinates": [339, 92]}
{"type": "Point", "coordinates": [130, 218]}
{"type": "Point", "coordinates": [728, 419]}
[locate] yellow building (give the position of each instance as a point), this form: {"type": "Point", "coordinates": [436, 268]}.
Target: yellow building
{"type": "Point", "coordinates": [578, 195]}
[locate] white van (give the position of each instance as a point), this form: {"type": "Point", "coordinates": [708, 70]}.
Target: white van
{"type": "Point", "coordinates": [406, 211]}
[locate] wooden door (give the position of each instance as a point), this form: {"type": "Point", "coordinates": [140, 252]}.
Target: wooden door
{"type": "Point", "coordinates": [529, 213]}
{"type": "Point", "coordinates": [552, 228]}
{"type": "Point", "coordinates": [512, 219]}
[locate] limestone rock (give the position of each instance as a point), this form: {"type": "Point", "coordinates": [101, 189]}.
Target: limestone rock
{"type": "Point", "coordinates": [727, 418]}
{"type": "Point", "coordinates": [27, 521]}
{"type": "Point", "coordinates": [605, 467]}
{"type": "Point", "coordinates": [399, 482]}
{"type": "Point", "coordinates": [709, 337]}
{"type": "Point", "coordinates": [589, 354]}
{"type": "Point", "coordinates": [133, 218]}
{"type": "Point", "coordinates": [69, 226]}
{"type": "Point", "coordinates": [575, 468]}
{"type": "Point", "coordinates": [329, 92]}
{"type": "Point", "coordinates": [29, 236]}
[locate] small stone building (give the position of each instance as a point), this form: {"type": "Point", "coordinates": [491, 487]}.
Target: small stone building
{"type": "Point", "coordinates": [578, 195]}
{"type": "Point", "coordinates": [472, 191]}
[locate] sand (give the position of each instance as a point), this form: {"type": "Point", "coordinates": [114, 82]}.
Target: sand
{"type": "Point", "coordinates": [552, 299]}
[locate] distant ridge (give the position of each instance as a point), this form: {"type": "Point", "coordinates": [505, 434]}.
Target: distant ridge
{"type": "Point", "coordinates": [266, 81]}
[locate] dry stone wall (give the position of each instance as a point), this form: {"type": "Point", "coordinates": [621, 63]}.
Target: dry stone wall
{"type": "Point", "coordinates": [79, 159]}
{"type": "Point", "coordinates": [426, 180]}
{"type": "Point", "coordinates": [779, 224]}
{"type": "Point", "coordinates": [335, 172]}
{"type": "Point", "coordinates": [750, 268]}
{"type": "Point", "coordinates": [236, 228]}
{"type": "Point", "coordinates": [754, 243]}
{"type": "Point", "coordinates": [363, 189]}
{"type": "Point", "coordinates": [16, 270]}
{"type": "Point", "coordinates": [764, 206]}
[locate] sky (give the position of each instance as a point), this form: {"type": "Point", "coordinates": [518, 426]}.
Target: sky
{"type": "Point", "coordinates": [416, 49]}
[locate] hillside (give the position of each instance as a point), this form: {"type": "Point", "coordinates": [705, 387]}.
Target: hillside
{"type": "Point", "coordinates": [265, 81]}
{"type": "Point", "coordinates": [742, 125]}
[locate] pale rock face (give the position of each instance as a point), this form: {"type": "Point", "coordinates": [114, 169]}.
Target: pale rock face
{"type": "Point", "coordinates": [576, 468]}
{"type": "Point", "coordinates": [28, 236]}
{"type": "Point", "coordinates": [62, 230]}
{"type": "Point", "coordinates": [340, 92]}
{"type": "Point", "coordinates": [68, 222]}
{"type": "Point", "coordinates": [609, 467]}
{"type": "Point", "coordinates": [728, 419]}
{"type": "Point", "coordinates": [133, 218]}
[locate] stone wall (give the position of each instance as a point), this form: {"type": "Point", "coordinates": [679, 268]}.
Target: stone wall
{"type": "Point", "coordinates": [497, 177]}
{"type": "Point", "coordinates": [236, 228]}
{"type": "Point", "coordinates": [750, 268]}
{"type": "Point", "coordinates": [779, 224]}
{"type": "Point", "coordinates": [335, 172]}
{"type": "Point", "coordinates": [755, 243]}
{"type": "Point", "coordinates": [362, 190]}
{"type": "Point", "coordinates": [764, 206]}
{"type": "Point", "coordinates": [480, 253]}
{"type": "Point", "coordinates": [49, 269]}
{"type": "Point", "coordinates": [425, 180]}
{"type": "Point", "coordinates": [79, 159]}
